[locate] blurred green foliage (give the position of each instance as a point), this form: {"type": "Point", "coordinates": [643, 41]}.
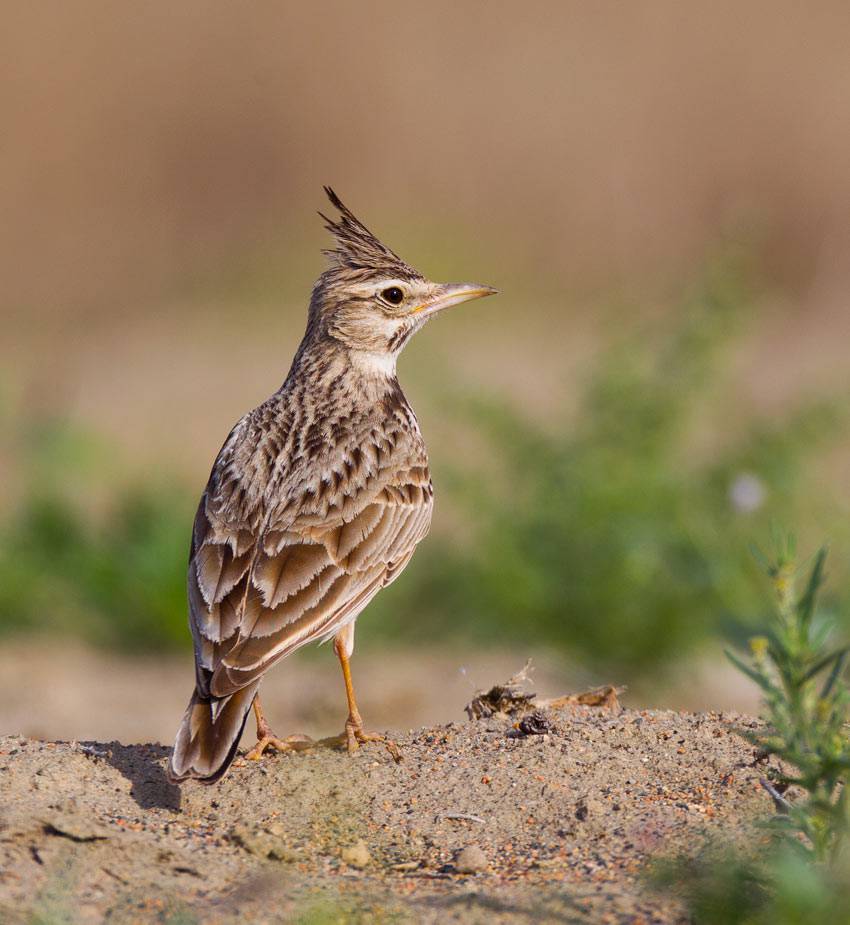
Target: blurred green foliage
{"type": "Point", "coordinates": [613, 533]}
{"type": "Point", "coordinates": [109, 570]}
{"type": "Point", "coordinates": [726, 885]}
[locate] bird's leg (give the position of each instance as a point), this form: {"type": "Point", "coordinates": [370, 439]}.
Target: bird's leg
{"type": "Point", "coordinates": [267, 739]}
{"type": "Point", "coordinates": [354, 734]}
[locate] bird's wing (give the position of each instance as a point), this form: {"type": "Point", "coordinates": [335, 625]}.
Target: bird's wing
{"type": "Point", "coordinates": [261, 586]}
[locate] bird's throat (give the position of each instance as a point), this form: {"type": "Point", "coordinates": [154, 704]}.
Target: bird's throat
{"type": "Point", "coordinates": [379, 365]}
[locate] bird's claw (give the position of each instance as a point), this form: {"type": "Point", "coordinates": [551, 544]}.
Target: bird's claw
{"type": "Point", "coordinates": [293, 743]}
{"type": "Point", "coordinates": [355, 736]}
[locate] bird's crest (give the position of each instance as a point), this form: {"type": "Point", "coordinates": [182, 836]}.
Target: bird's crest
{"type": "Point", "coordinates": [357, 249]}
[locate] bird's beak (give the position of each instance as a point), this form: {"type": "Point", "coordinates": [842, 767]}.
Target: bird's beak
{"type": "Point", "coordinates": [448, 294]}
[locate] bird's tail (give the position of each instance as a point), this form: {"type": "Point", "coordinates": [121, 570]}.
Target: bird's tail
{"type": "Point", "coordinates": [209, 735]}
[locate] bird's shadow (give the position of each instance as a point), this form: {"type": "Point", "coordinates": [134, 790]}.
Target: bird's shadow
{"type": "Point", "coordinates": [142, 766]}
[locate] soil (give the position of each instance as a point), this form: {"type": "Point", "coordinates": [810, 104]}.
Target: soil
{"type": "Point", "coordinates": [552, 816]}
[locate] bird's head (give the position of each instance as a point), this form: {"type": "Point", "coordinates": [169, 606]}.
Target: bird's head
{"type": "Point", "coordinates": [369, 299]}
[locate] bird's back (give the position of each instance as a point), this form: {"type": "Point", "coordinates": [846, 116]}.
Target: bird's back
{"type": "Point", "coordinates": [316, 501]}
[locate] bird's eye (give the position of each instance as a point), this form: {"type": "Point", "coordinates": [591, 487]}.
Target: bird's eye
{"type": "Point", "coordinates": [393, 295]}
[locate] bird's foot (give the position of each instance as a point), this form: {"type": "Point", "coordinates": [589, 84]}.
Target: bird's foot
{"type": "Point", "coordinates": [355, 736]}
{"type": "Point", "coordinates": [266, 739]}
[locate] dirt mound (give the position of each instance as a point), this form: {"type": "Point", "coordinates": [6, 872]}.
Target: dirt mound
{"type": "Point", "coordinates": [480, 821]}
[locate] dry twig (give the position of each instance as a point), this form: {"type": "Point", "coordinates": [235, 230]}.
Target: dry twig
{"type": "Point", "coordinates": [467, 816]}
{"type": "Point", "coordinates": [513, 698]}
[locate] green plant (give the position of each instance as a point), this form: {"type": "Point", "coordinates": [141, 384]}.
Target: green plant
{"type": "Point", "coordinates": [805, 710]}
{"type": "Point", "coordinates": [803, 875]}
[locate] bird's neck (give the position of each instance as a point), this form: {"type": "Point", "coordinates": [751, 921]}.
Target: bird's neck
{"type": "Point", "coordinates": [326, 363]}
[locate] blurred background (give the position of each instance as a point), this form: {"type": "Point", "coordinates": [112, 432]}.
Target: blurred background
{"type": "Point", "coordinates": [663, 200]}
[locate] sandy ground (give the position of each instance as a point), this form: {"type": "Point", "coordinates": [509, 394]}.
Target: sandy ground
{"type": "Point", "coordinates": [478, 822]}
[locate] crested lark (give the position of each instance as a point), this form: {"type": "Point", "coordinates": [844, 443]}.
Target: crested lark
{"type": "Point", "coordinates": [315, 502]}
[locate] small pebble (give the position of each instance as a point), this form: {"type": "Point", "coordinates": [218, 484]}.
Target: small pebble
{"type": "Point", "coordinates": [470, 860]}
{"type": "Point", "coordinates": [356, 855]}
{"type": "Point", "coordinates": [264, 842]}
{"type": "Point", "coordinates": [535, 723]}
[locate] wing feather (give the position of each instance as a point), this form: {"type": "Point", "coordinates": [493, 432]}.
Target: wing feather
{"type": "Point", "coordinates": [291, 570]}
{"type": "Point", "coordinates": [273, 619]}
{"type": "Point", "coordinates": [307, 574]}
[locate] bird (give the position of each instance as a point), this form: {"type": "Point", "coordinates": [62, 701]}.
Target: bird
{"type": "Point", "coordinates": [316, 501]}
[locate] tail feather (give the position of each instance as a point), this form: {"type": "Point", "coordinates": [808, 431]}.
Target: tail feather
{"type": "Point", "coordinates": [209, 735]}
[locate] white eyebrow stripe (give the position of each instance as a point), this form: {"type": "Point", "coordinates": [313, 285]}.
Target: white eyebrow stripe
{"type": "Point", "coordinates": [374, 288]}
